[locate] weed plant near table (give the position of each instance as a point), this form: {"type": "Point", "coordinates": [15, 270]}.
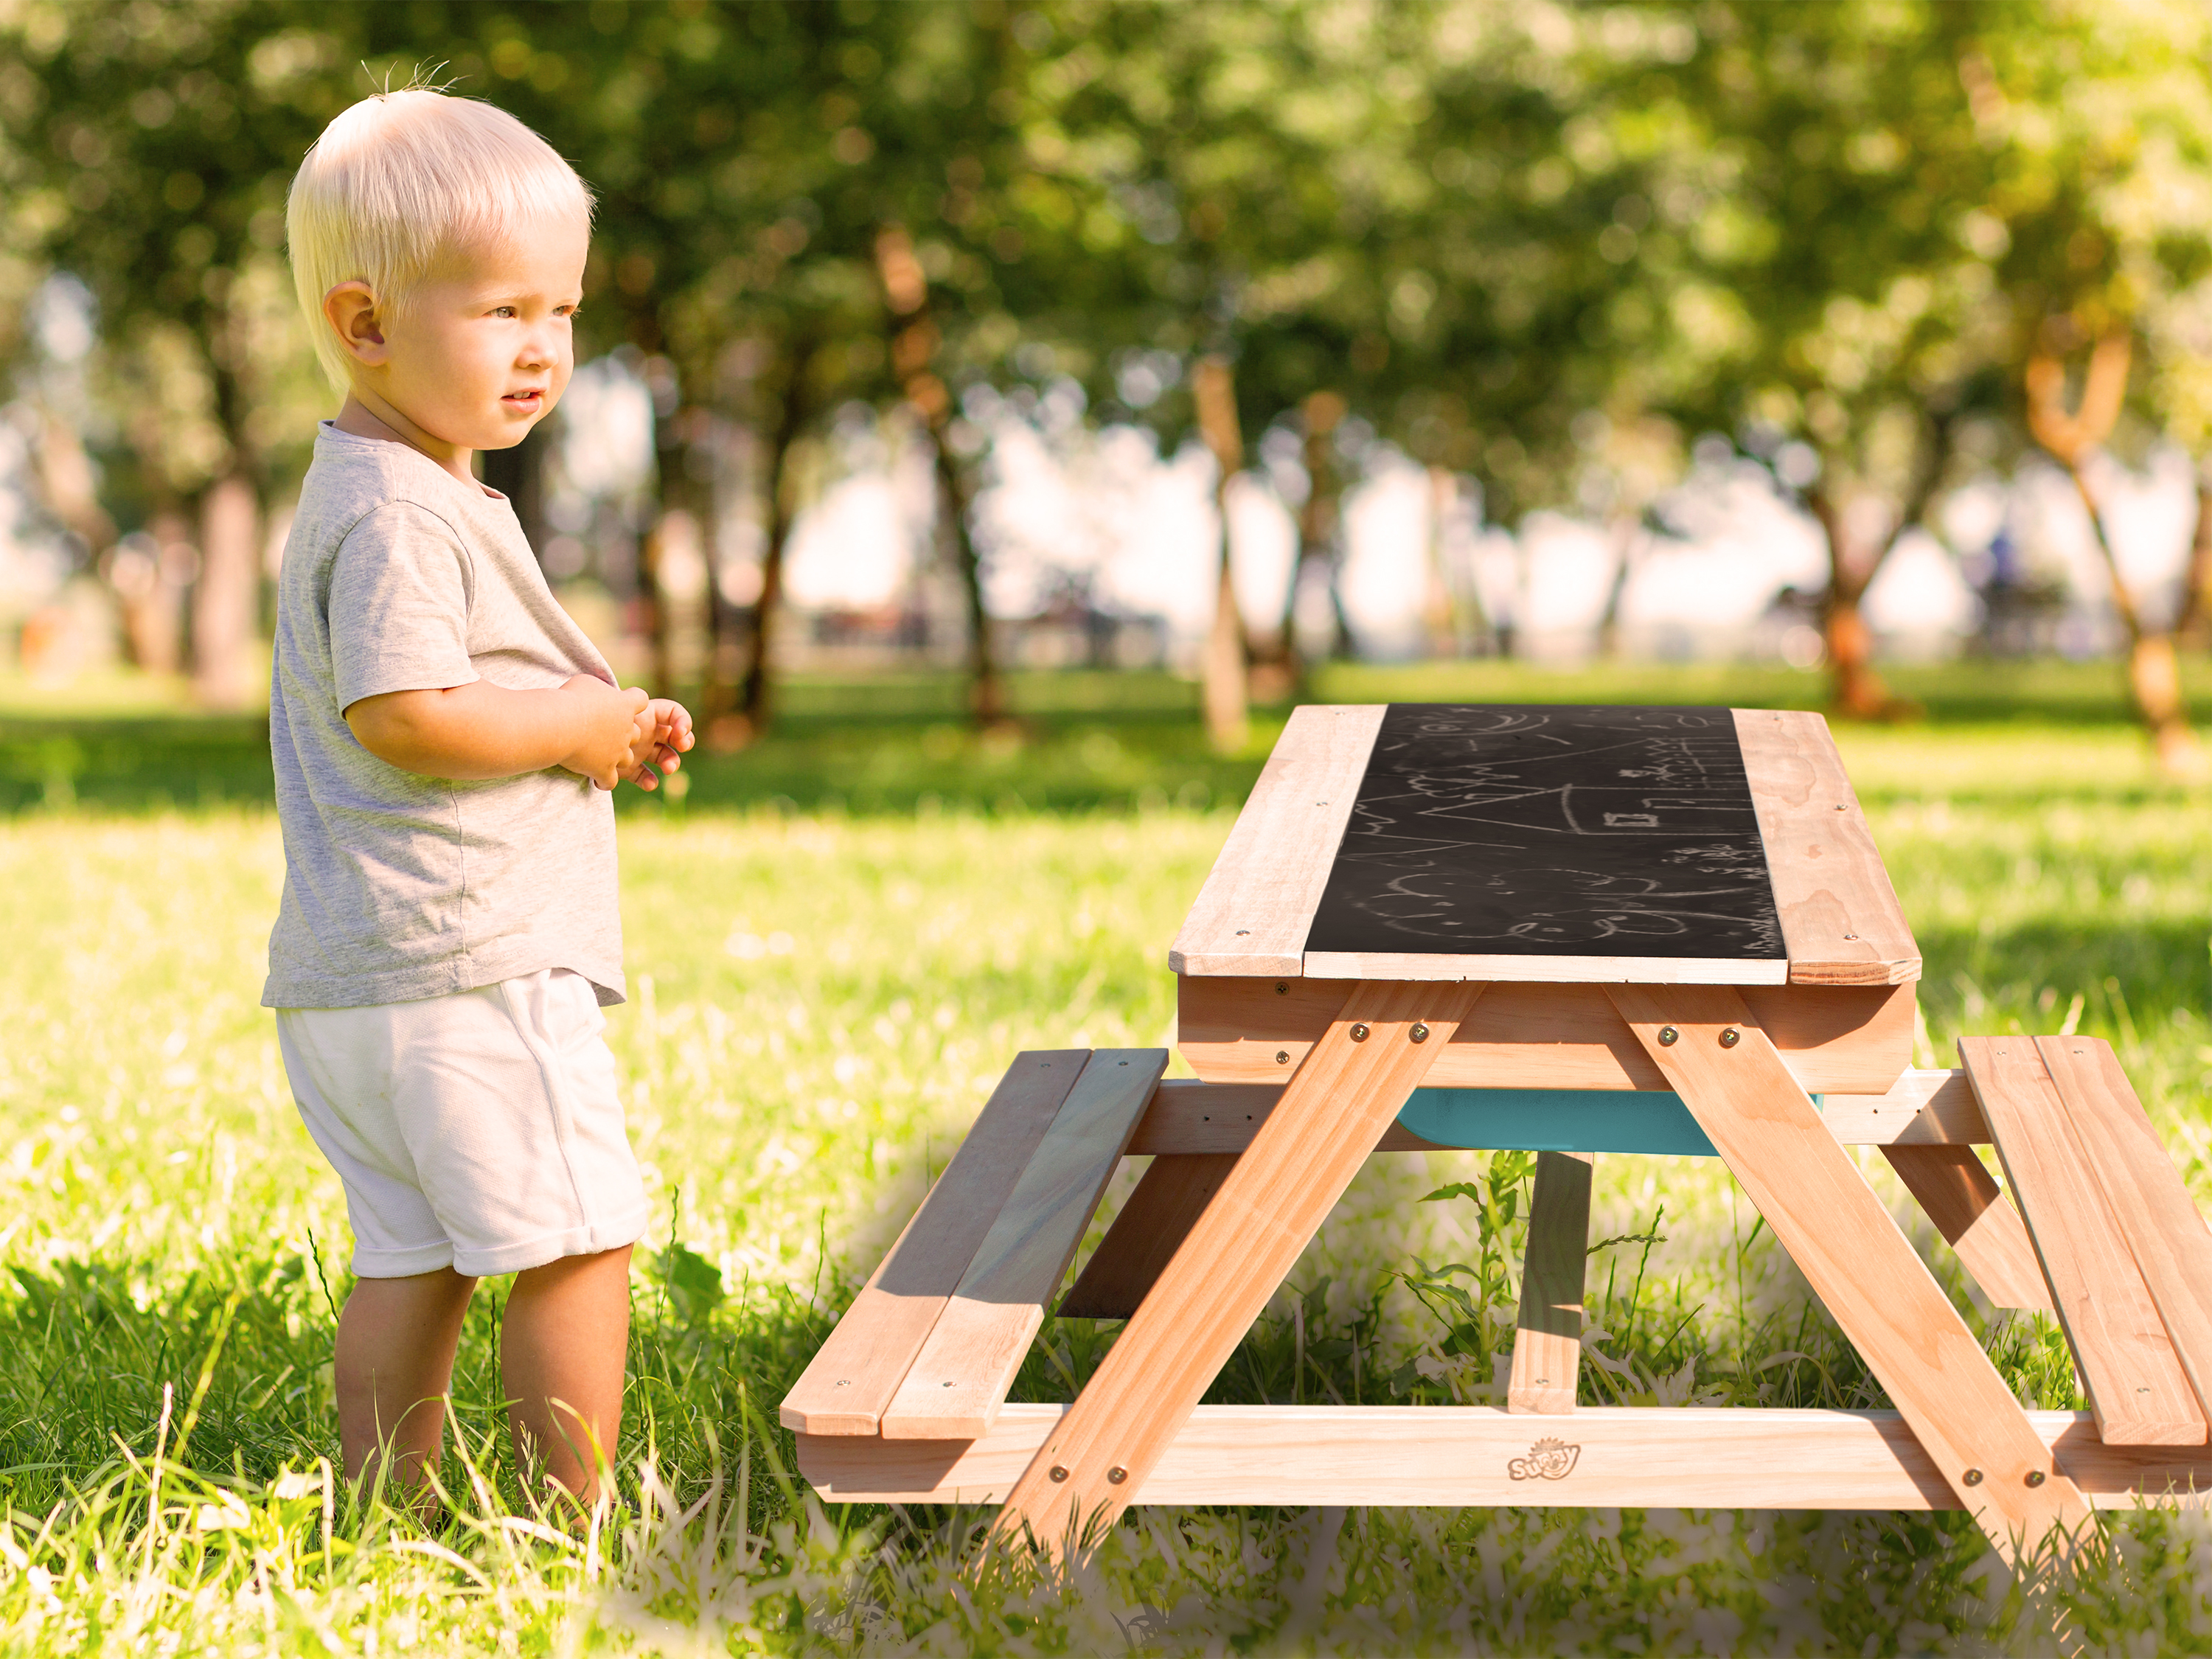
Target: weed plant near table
{"type": "Point", "coordinates": [819, 1004]}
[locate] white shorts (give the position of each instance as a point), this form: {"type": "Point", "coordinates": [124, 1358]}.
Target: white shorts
{"type": "Point", "coordinates": [481, 1131]}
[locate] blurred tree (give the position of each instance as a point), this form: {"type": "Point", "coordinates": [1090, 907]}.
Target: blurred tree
{"type": "Point", "coordinates": [1840, 316]}
{"type": "Point", "coordinates": [2100, 120]}
{"type": "Point", "coordinates": [152, 146]}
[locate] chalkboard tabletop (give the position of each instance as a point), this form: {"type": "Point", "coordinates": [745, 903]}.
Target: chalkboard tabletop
{"type": "Point", "coordinates": [1556, 843]}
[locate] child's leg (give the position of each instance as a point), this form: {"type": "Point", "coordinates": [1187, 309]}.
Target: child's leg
{"type": "Point", "coordinates": [565, 1337]}
{"type": "Point", "coordinates": [394, 1362]}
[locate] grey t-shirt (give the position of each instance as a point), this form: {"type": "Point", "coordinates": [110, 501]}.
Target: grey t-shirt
{"type": "Point", "coordinates": [400, 577]}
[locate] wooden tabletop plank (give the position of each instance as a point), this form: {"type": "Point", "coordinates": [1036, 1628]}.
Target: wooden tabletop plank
{"type": "Point", "coordinates": [857, 1372]}
{"type": "Point", "coordinates": [1545, 970]}
{"type": "Point", "coordinates": [1841, 922]}
{"type": "Point", "coordinates": [2133, 1377]}
{"type": "Point", "coordinates": [1843, 1240]}
{"type": "Point", "coordinates": [959, 1379]}
{"type": "Point", "coordinates": [1253, 914]}
{"type": "Point", "coordinates": [2172, 1247]}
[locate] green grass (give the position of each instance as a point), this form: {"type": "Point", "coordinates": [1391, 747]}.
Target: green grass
{"type": "Point", "coordinates": [824, 988]}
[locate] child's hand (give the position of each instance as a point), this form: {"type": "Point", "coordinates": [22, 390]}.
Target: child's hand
{"type": "Point", "coordinates": [665, 729]}
{"type": "Point", "coordinates": [613, 721]}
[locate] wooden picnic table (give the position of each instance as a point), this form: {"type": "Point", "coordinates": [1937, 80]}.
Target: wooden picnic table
{"type": "Point", "coordinates": [1573, 930]}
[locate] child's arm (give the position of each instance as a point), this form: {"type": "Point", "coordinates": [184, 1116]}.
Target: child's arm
{"type": "Point", "coordinates": [482, 730]}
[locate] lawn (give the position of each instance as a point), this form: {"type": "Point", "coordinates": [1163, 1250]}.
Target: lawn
{"type": "Point", "coordinates": [835, 944]}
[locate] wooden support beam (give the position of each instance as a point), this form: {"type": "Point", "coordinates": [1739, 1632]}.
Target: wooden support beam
{"type": "Point", "coordinates": [1329, 1118]}
{"type": "Point", "coordinates": [1168, 1199]}
{"type": "Point", "coordinates": [1959, 1195]}
{"type": "Point", "coordinates": [959, 1380]}
{"type": "Point", "coordinates": [854, 1374]}
{"type": "Point", "coordinates": [1857, 1263]}
{"type": "Point", "coordinates": [1548, 1348]}
{"type": "Point", "coordinates": [1602, 1457]}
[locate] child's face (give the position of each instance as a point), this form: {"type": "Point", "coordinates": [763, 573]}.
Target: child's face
{"type": "Point", "coordinates": [482, 349]}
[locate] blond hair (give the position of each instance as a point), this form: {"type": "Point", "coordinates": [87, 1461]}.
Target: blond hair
{"type": "Point", "coordinates": [403, 179]}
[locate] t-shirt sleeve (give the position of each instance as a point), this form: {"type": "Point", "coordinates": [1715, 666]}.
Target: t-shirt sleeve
{"type": "Point", "coordinates": [399, 595]}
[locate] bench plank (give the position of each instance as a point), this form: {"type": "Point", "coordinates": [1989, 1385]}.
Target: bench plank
{"type": "Point", "coordinates": [1548, 1348]}
{"type": "Point", "coordinates": [2129, 1369]}
{"type": "Point", "coordinates": [1167, 1203]}
{"type": "Point", "coordinates": [858, 1371]}
{"type": "Point", "coordinates": [959, 1380]}
{"type": "Point", "coordinates": [1841, 922]}
{"type": "Point", "coordinates": [2167, 1235]}
{"type": "Point", "coordinates": [1253, 912]}
{"type": "Point", "coordinates": [1951, 1186]}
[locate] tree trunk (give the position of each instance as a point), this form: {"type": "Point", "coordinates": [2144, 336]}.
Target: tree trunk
{"type": "Point", "coordinates": [914, 338]}
{"type": "Point", "coordinates": [1222, 672]}
{"type": "Point", "coordinates": [755, 699]}
{"type": "Point", "coordinates": [1283, 673]}
{"type": "Point", "coordinates": [2153, 673]}
{"type": "Point", "coordinates": [226, 603]}
{"type": "Point", "coordinates": [1627, 536]}
{"type": "Point", "coordinates": [1856, 691]}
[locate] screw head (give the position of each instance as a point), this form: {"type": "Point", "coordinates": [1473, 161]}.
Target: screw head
{"type": "Point", "coordinates": [1730, 1037]}
{"type": "Point", "coordinates": [1282, 990]}
{"type": "Point", "coordinates": [1282, 1056]}
{"type": "Point", "coordinates": [1117, 1474]}
{"type": "Point", "coordinates": [1419, 1033]}
{"type": "Point", "coordinates": [2037, 1477]}
{"type": "Point", "coordinates": [1668, 1036]}
{"type": "Point", "coordinates": [1060, 1472]}
{"type": "Point", "coordinates": [1972, 1477]}
{"type": "Point", "coordinates": [1359, 1034]}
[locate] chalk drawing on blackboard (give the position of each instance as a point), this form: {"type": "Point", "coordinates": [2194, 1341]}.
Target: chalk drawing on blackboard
{"type": "Point", "coordinates": [1554, 830]}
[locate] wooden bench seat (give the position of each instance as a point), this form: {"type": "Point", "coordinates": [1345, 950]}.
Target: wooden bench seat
{"type": "Point", "coordinates": [2125, 1254]}
{"type": "Point", "coordinates": [931, 1345]}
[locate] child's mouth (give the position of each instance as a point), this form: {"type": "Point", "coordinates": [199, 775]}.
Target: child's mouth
{"type": "Point", "coordinates": [530, 402]}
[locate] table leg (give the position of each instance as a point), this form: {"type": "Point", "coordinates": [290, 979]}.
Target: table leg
{"type": "Point", "coordinates": [1856, 1260]}
{"type": "Point", "coordinates": [1344, 1095]}
{"type": "Point", "coordinates": [1547, 1348]}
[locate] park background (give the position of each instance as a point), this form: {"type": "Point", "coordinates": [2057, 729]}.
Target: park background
{"type": "Point", "coordinates": [993, 418]}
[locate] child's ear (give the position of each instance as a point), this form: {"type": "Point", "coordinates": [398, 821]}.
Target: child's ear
{"type": "Point", "coordinates": [351, 308]}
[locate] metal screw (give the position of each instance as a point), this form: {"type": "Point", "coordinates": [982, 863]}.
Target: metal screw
{"type": "Point", "coordinates": [844, 1382]}
{"type": "Point", "coordinates": [1668, 1036]}
{"type": "Point", "coordinates": [1117, 1474]}
{"type": "Point", "coordinates": [1359, 1034]}
{"type": "Point", "coordinates": [1972, 1477]}
{"type": "Point", "coordinates": [1282, 1056]}
{"type": "Point", "coordinates": [1243, 932]}
{"type": "Point", "coordinates": [1060, 1472]}
{"type": "Point", "coordinates": [1850, 936]}
{"type": "Point", "coordinates": [1282, 990]}
{"type": "Point", "coordinates": [1419, 1033]}
{"type": "Point", "coordinates": [2037, 1477]}
{"type": "Point", "coordinates": [1730, 1037]}
{"type": "Point", "coordinates": [1841, 809]}
{"type": "Point", "coordinates": [944, 1385]}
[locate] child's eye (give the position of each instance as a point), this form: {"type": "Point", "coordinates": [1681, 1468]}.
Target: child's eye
{"type": "Point", "coordinates": [503, 311]}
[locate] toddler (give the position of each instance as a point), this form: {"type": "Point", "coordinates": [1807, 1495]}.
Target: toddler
{"type": "Point", "coordinates": [445, 742]}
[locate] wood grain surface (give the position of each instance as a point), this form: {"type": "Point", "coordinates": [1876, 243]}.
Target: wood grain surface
{"type": "Point", "coordinates": [2129, 1369]}
{"type": "Point", "coordinates": [1284, 1186]}
{"type": "Point", "coordinates": [959, 1379]}
{"type": "Point", "coordinates": [853, 1377]}
{"type": "Point", "coordinates": [1958, 1193]}
{"type": "Point", "coordinates": [1852, 1040]}
{"type": "Point", "coordinates": [1857, 1263]}
{"type": "Point", "coordinates": [1448, 1456]}
{"type": "Point", "coordinates": [1153, 1221]}
{"type": "Point", "coordinates": [1253, 913]}
{"type": "Point", "coordinates": [1841, 922]}
{"type": "Point", "coordinates": [2164, 1229]}
{"type": "Point", "coordinates": [1548, 1349]}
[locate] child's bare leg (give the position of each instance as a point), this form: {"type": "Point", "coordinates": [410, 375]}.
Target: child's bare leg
{"type": "Point", "coordinates": [565, 1337]}
{"type": "Point", "coordinates": [394, 1362]}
